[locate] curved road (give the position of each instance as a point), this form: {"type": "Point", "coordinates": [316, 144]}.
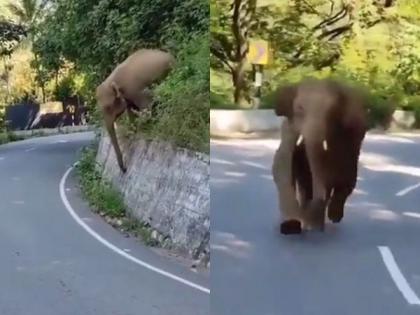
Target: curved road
{"type": "Point", "coordinates": [369, 264]}
{"type": "Point", "coordinates": [50, 265]}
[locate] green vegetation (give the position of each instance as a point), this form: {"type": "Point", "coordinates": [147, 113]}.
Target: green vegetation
{"type": "Point", "coordinates": [6, 137]}
{"type": "Point", "coordinates": [100, 193]}
{"type": "Point", "coordinates": [375, 44]}
{"type": "Point", "coordinates": [105, 200]}
{"type": "Point", "coordinates": [71, 46]}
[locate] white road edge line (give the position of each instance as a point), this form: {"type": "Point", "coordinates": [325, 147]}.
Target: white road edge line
{"type": "Point", "coordinates": [407, 190]}
{"type": "Point", "coordinates": [115, 248]}
{"type": "Point", "coordinates": [397, 276]}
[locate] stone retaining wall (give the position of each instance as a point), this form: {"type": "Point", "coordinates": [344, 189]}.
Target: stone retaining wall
{"type": "Point", "coordinates": [165, 187]}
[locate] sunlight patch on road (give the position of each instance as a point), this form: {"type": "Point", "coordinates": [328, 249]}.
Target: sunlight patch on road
{"type": "Point", "coordinates": [384, 215]}
{"type": "Point", "coordinates": [389, 138]}
{"type": "Point", "coordinates": [412, 214]}
{"type": "Point", "coordinates": [254, 164]}
{"type": "Point", "coordinates": [230, 244]}
{"type": "Point", "coordinates": [235, 174]}
{"type": "Point", "coordinates": [220, 161]}
{"type": "Point", "coordinates": [221, 181]}
{"type": "Point", "coordinates": [18, 202]}
{"type": "Point", "coordinates": [269, 177]}
{"type": "Point", "coordinates": [357, 191]}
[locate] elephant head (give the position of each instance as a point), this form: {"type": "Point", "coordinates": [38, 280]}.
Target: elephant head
{"type": "Point", "coordinates": [329, 121]}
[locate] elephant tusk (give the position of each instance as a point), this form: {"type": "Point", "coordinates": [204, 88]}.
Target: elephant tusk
{"type": "Point", "coordinates": [325, 145]}
{"type": "Point", "coordinates": [299, 140]}
{"type": "Point", "coordinates": [332, 192]}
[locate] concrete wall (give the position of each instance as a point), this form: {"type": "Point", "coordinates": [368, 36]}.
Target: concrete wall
{"type": "Point", "coordinates": [51, 131]}
{"type": "Point", "coordinates": [165, 187]}
{"type": "Point", "coordinates": [243, 121]}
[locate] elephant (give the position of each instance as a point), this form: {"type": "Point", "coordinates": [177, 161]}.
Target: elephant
{"type": "Point", "coordinates": [127, 88]}
{"type": "Point", "coordinates": [315, 167]}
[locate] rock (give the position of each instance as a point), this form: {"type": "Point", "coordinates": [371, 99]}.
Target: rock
{"type": "Point", "coordinates": [154, 235]}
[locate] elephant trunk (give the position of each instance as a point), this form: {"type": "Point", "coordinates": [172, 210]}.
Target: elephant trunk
{"type": "Point", "coordinates": [316, 147]}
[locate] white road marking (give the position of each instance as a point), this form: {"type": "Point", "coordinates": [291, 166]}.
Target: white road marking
{"type": "Point", "coordinates": [407, 190]}
{"type": "Point", "coordinates": [114, 248]}
{"type": "Point", "coordinates": [30, 149]}
{"type": "Point", "coordinates": [397, 276]}
{"type": "Point", "coordinates": [412, 214]}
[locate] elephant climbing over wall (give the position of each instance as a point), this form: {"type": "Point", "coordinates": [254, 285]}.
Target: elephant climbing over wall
{"type": "Point", "coordinates": [127, 89]}
{"type": "Point", "coordinates": [315, 167]}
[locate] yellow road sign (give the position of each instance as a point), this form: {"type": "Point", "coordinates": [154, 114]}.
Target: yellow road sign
{"type": "Point", "coordinates": [259, 52]}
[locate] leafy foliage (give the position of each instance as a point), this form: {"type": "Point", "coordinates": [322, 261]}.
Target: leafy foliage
{"type": "Point", "coordinates": [95, 35]}
{"type": "Point", "coordinates": [10, 35]}
{"type": "Point", "coordinates": [373, 43]}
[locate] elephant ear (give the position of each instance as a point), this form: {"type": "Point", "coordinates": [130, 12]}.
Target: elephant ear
{"type": "Point", "coordinates": [284, 100]}
{"type": "Point", "coordinates": [355, 115]}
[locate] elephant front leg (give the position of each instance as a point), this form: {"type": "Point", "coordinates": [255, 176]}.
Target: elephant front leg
{"type": "Point", "coordinates": [336, 206]}
{"type": "Point", "coordinates": [282, 175]}
{"type": "Point", "coordinates": [314, 217]}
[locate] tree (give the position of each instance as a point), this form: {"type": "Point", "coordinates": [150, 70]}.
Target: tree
{"type": "Point", "coordinates": [231, 48]}
{"type": "Point", "coordinates": [27, 12]}
{"type": "Point", "coordinates": [10, 36]}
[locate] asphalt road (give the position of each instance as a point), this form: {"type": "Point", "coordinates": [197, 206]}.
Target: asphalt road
{"type": "Point", "coordinates": [50, 265]}
{"type": "Point", "coordinates": [258, 271]}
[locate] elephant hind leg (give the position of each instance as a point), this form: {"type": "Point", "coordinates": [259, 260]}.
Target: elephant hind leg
{"type": "Point", "coordinates": [336, 205]}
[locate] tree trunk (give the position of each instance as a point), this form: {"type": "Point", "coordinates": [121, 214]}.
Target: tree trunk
{"type": "Point", "coordinates": [242, 14]}
{"type": "Point", "coordinates": [238, 84]}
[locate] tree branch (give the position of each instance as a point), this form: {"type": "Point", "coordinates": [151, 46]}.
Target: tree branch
{"type": "Point", "coordinates": [331, 20]}
{"type": "Point", "coordinates": [336, 32]}
{"type": "Point", "coordinates": [221, 56]}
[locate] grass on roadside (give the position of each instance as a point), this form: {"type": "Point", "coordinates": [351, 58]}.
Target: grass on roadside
{"type": "Point", "coordinates": [6, 137]}
{"type": "Point", "coordinates": [104, 199]}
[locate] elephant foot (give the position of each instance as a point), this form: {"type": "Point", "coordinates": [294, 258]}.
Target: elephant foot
{"type": "Point", "coordinates": [335, 215]}
{"type": "Point", "coordinates": [335, 219]}
{"type": "Point", "coordinates": [291, 227]}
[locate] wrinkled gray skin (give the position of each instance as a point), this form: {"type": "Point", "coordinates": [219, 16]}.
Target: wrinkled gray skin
{"type": "Point", "coordinates": [315, 167]}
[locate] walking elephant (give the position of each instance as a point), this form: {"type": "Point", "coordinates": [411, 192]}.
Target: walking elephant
{"type": "Point", "coordinates": [315, 167]}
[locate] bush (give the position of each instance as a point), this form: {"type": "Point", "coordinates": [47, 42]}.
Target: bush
{"type": "Point", "coordinates": [413, 104]}
{"type": "Point", "coordinates": [100, 193]}
{"type": "Point", "coordinates": [183, 114]}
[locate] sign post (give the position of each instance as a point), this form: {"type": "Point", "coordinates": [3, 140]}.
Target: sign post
{"type": "Point", "coordinates": [258, 56]}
